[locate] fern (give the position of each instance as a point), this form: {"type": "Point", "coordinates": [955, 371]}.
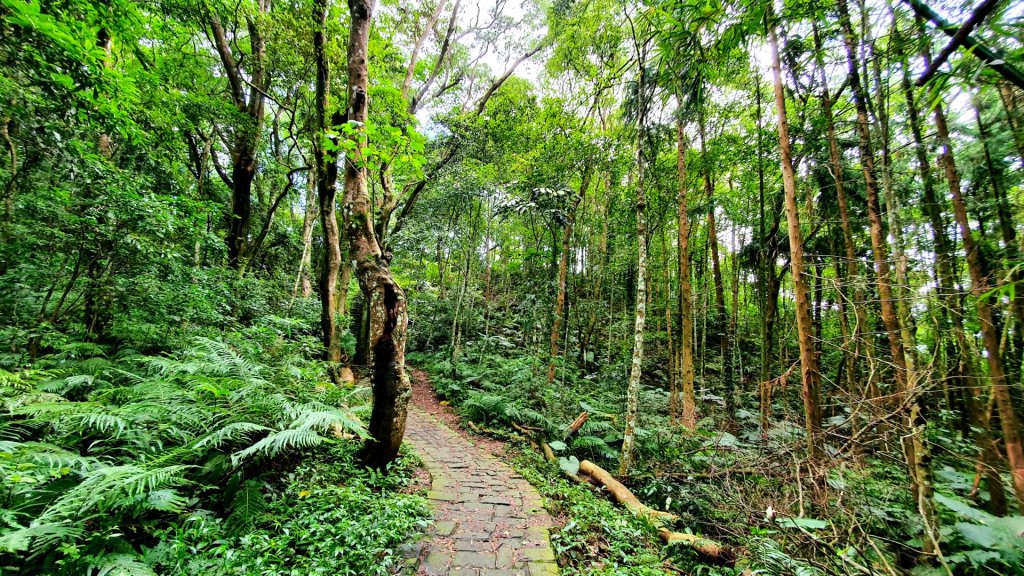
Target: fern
{"type": "Point", "coordinates": [247, 505]}
{"type": "Point", "coordinates": [110, 488]}
{"type": "Point", "coordinates": [594, 444]}
{"type": "Point", "coordinates": [122, 565]}
{"type": "Point", "coordinates": [165, 500]}
{"type": "Point", "coordinates": [38, 536]}
{"type": "Point", "coordinates": [278, 442]}
{"type": "Point", "coordinates": [229, 432]}
{"type": "Point", "coordinates": [51, 458]}
{"type": "Point", "coordinates": [534, 418]}
{"type": "Point", "coordinates": [485, 407]}
{"type": "Point", "coordinates": [157, 429]}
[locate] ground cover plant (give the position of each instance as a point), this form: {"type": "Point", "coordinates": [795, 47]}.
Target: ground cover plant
{"type": "Point", "coordinates": [203, 460]}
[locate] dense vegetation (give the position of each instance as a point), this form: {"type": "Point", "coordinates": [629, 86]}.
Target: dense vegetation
{"type": "Point", "coordinates": [772, 249]}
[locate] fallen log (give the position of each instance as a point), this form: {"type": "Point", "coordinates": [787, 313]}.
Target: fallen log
{"type": "Point", "coordinates": [705, 547]}
{"type": "Point", "coordinates": [623, 495]}
{"type": "Point", "coordinates": [549, 455]}
{"type": "Point", "coordinates": [588, 471]}
{"type": "Point", "coordinates": [709, 549]}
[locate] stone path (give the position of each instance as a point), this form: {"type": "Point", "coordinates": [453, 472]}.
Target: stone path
{"type": "Point", "coordinates": [488, 520]}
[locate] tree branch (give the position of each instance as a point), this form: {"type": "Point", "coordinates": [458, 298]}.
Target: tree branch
{"type": "Point", "coordinates": [979, 14]}
{"type": "Point", "coordinates": [508, 73]}
{"type": "Point", "coordinates": [270, 216]}
{"type": "Point", "coordinates": [985, 54]}
{"type": "Point", "coordinates": [419, 45]}
{"type": "Point", "coordinates": [220, 42]}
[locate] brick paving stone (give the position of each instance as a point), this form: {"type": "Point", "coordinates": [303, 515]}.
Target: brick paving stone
{"type": "Point", "coordinates": [488, 519]}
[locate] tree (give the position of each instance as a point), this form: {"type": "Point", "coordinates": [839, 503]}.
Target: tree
{"type": "Point", "coordinates": [808, 355]}
{"type": "Point", "coordinates": [384, 298]}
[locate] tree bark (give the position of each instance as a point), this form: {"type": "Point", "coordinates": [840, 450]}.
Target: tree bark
{"type": "Point", "coordinates": [688, 416]}
{"type": "Point", "coordinates": [990, 333]}
{"type": "Point", "coordinates": [244, 161]}
{"type": "Point", "coordinates": [636, 365]}
{"type": "Point", "coordinates": [383, 296]}
{"type": "Point", "coordinates": [327, 188]}
{"type": "Point", "coordinates": [563, 273]}
{"type": "Point", "coordinates": [808, 356]}
{"type": "Point", "coordinates": [1011, 252]}
{"type": "Point", "coordinates": [915, 447]}
{"type": "Point", "coordinates": [852, 348]}
{"type": "Point", "coordinates": [305, 276]}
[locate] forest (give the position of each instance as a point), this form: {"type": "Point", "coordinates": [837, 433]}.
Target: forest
{"type": "Point", "coordinates": [731, 286]}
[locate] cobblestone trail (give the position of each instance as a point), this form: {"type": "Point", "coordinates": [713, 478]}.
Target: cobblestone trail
{"type": "Point", "coordinates": [488, 520]}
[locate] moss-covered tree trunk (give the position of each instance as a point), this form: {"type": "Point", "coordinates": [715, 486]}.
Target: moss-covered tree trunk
{"type": "Point", "coordinates": [327, 190]}
{"type": "Point", "coordinates": [384, 298]}
{"type": "Point", "coordinates": [688, 415]}
{"type": "Point", "coordinates": [636, 365]}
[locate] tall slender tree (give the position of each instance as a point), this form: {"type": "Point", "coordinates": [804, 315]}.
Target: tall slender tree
{"type": "Point", "coordinates": [805, 330]}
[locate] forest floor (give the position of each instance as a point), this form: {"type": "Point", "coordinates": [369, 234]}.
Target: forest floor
{"type": "Point", "coordinates": [488, 520]}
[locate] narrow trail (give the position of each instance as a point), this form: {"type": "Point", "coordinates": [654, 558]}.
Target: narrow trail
{"type": "Point", "coordinates": [488, 520]}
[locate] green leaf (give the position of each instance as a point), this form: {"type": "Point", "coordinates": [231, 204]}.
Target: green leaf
{"type": "Point", "coordinates": [569, 465]}
{"type": "Point", "coordinates": [557, 445]}
{"type": "Point", "coordinates": [805, 523]}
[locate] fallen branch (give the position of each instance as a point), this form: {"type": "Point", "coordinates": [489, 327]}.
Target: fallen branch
{"type": "Point", "coordinates": [708, 548]}
{"type": "Point", "coordinates": [623, 495]}
{"type": "Point", "coordinates": [703, 546]}
{"type": "Point", "coordinates": [576, 425]}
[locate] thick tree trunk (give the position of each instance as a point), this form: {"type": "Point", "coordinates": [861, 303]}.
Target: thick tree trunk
{"type": "Point", "coordinates": [244, 160]}
{"type": "Point", "coordinates": [805, 330]}
{"type": "Point", "coordinates": [383, 296]}
{"type": "Point", "coordinates": [688, 416]}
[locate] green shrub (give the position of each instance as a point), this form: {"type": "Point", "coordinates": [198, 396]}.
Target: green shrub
{"type": "Point", "coordinates": [324, 518]}
{"type": "Point", "coordinates": [101, 454]}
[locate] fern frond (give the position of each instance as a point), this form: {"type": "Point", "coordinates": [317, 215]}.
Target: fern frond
{"type": "Point", "coordinates": [535, 418]}
{"type": "Point", "coordinates": [324, 420]}
{"type": "Point", "coordinates": [38, 536]}
{"type": "Point", "coordinates": [594, 444]}
{"type": "Point", "coordinates": [229, 432]}
{"type": "Point", "coordinates": [247, 505]}
{"type": "Point", "coordinates": [122, 565]}
{"type": "Point", "coordinates": [166, 500]}
{"type": "Point", "coordinates": [109, 488]}
{"type": "Point", "coordinates": [278, 442]}
{"type": "Point", "coordinates": [48, 456]}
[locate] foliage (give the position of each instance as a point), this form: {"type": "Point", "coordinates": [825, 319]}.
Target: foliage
{"type": "Point", "coordinates": [598, 537]}
{"type": "Point", "coordinates": [326, 517]}
{"type": "Point", "coordinates": [102, 455]}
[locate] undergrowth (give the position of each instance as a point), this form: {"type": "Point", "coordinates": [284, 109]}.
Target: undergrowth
{"type": "Point", "coordinates": [229, 455]}
{"type": "Point", "coordinates": [755, 492]}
